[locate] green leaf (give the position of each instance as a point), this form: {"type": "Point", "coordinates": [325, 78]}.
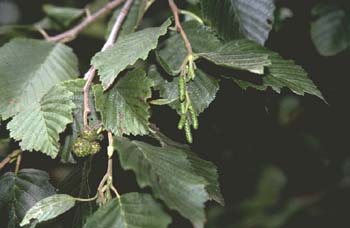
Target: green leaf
{"type": "Point", "coordinates": [176, 176]}
{"type": "Point", "coordinates": [133, 19]}
{"type": "Point", "coordinates": [64, 16]}
{"type": "Point", "coordinates": [29, 69]}
{"type": "Point", "coordinates": [49, 208]}
{"type": "Point", "coordinates": [20, 192]}
{"type": "Point", "coordinates": [124, 108]}
{"type": "Point", "coordinates": [127, 51]}
{"type": "Point", "coordinates": [38, 126]}
{"type": "Point", "coordinates": [330, 31]}
{"type": "Point", "coordinates": [202, 91]}
{"type": "Point", "coordinates": [281, 73]}
{"type": "Point", "coordinates": [134, 210]}
{"type": "Point", "coordinates": [172, 52]}
{"type": "Point", "coordinates": [206, 45]}
{"type": "Point", "coordinates": [205, 169]}
{"type": "Point", "coordinates": [252, 62]}
{"type": "Point", "coordinates": [234, 19]}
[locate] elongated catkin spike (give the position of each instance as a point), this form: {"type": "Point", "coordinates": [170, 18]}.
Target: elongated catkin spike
{"type": "Point", "coordinates": [182, 121]}
{"type": "Point", "coordinates": [194, 117]}
{"type": "Point", "coordinates": [183, 108]}
{"type": "Point", "coordinates": [182, 90]}
{"type": "Point", "coordinates": [188, 131]}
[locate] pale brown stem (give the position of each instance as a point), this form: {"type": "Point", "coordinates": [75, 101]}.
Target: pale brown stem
{"type": "Point", "coordinates": [89, 76]}
{"type": "Point", "coordinates": [73, 32]}
{"type": "Point", "coordinates": [178, 26]}
{"type": "Point", "coordinates": [18, 163]}
{"type": "Point", "coordinates": [9, 157]}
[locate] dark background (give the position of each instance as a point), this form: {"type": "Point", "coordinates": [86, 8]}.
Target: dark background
{"type": "Point", "coordinates": [245, 133]}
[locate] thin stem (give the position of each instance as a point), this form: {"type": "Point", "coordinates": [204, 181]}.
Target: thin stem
{"type": "Point", "coordinates": [9, 158]}
{"type": "Point", "coordinates": [194, 16]}
{"type": "Point", "coordinates": [178, 26]}
{"type": "Point", "coordinates": [86, 200]}
{"type": "Point", "coordinates": [73, 32]}
{"type": "Point", "coordinates": [89, 76]}
{"type": "Point", "coordinates": [18, 163]}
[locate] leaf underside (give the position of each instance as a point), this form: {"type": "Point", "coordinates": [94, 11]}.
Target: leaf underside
{"type": "Point", "coordinates": [38, 127]}
{"type": "Point", "coordinates": [134, 210]}
{"type": "Point", "coordinates": [29, 69]}
{"type": "Point", "coordinates": [48, 208]}
{"type": "Point", "coordinates": [251, 19]}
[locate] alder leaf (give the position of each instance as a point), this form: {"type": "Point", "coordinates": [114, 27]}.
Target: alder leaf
{"type": "Point", "coordinates": [202, 91]}
{"type": "Point", "coordinates": [252, 62]}
{"type": "Point", "coordinates": [172, 51]}
{"type": "Point", "coordinates": [30, 68]}
{"type": "Point", "coordinates": [281, 73]}
{"type": "Point", "coordinates": [134, 210]}
{"type": "Point", "coordinates": [330, 31]}
{"type": "Point", "coordinates": [38, 127]}
{"type": "Point", "coordinates": [124, 108]}
{"type": "Point", "coordinates": [206, 45]}
{"type": "Point", "coordinates": [278, 74]}
{"type": "Point", "coordinates": [234, 19]}
{"type": "Point", "coordinates": [48, 208]}
{"type": "Point", "coordinates": [127, 51]}
{"type": "Point", "coordinates": [18, 193]}
{"type": "Point", "coordinates": [172, 173]}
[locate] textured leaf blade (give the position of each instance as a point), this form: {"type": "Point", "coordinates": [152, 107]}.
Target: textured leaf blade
{"type": "Point", "coordinates": [252, 62]}
{"type": "Point", "coordinates": [280, 74]}
{"type": "Point", "coordinates": [234, 19]}
{"type": "Point", "coordinates": [126, 52]}
{"type": "Point", "coordinates": [330, 31]}
{"type": "Point", "coordinates": [202, 91]}
{"type": "Point", "coordinates": [130, 210]}
{"type": "Point", "coordinates": [49, 208]}
{"type": "Point", "coordinates": [38, 127]}
{"type": "Point", "coordinates": [19, 193]}
{"type": "Point", "coordinates": [170, 174]}
{"type": "Point", "coordinates": [205, 169]}
{"type": "Point", "coordinates": [124, 108]}
{"type": "Point", "coordinates": [30, 68]}
{"type": "Point", "coordinates": [172, 52]}
{"type": "Point", "coordinates": [206, 44]}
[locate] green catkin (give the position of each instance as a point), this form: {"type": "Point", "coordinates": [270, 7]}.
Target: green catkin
{"type": "Point", "coordinates": [188, 131]}
{"type": "Point", "coordinates": [194, 117]}
{"type": "Point", "coordinates": [182, 88]}
{"type": "Point", "coordinates": [183, 108]}
{"type": "Point", "coordinates": [182, 121]}
{"type": "Point", "coordinates": [191, 73]}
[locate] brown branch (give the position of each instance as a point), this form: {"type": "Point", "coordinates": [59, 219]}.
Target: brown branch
{"type": "Point", "coordinates": [178, 26]}
{"type": "Point", "coordinates": [9, 157]}
{"type": "Point", "coordinates": [73, 32]}
{"type": "Point", "coordinates": [89, 76]}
